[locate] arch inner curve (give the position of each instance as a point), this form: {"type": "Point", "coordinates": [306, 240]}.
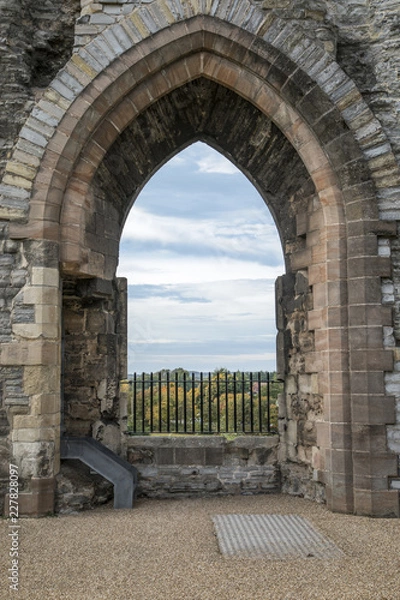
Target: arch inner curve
{"type": "Point", "coordinates": [203, 110]}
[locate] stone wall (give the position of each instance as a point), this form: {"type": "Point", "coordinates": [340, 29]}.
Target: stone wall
{"type": "Point", "coordinates": [362, 34]}
{"type": "Point", "coordinates": [95, 358]}
{"type": "Point", "coordinates": [201, 465]}
{"type": "Point", "coordinates": [391, 298]}
{"type": "Point", "coordinates": [36, 39]}
{"type": "Point", "coordinates": [29, 301]}
{"type": "Point", "coordinates": [301, 406]}
{"type": "Point", "coordinates": [268, 65]}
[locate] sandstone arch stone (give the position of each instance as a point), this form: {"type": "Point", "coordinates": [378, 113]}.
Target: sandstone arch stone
{"type": "Point", "coordinates": [75, 173]}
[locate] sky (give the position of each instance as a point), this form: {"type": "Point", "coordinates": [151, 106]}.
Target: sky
{"type": "Point", "coordinates": [201, 254]}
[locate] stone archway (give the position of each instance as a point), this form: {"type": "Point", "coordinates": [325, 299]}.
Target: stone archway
{"type": "Point", "coordinates": [280, 107]}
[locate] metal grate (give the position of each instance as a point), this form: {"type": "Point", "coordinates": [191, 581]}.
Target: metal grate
{"type": "Point", "coordinates": [272, 536]}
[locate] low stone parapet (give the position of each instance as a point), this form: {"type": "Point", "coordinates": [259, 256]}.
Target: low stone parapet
{"type": "Point", "coordinates": [181, 466]}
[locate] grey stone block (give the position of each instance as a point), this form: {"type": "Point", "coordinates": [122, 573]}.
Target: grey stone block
{"type": "Point", "coordinates": [165, 456]}
{"type": "Point", "coordinates": [214, 456]}
{"type": "Point", "coordinates": [189, 456]}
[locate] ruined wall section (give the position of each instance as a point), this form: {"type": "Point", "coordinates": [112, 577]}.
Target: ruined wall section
{"type": "Point", "coordinates": [362, 34]}
{"type": "Point", "coordinates": [391, 298]}
{"type": "Point", "coordinates": [368, 50]}
{"type": "Point", "coordinates": [364, 37]}
{"type": "Point", "coordinates": [94, 358]}
{"type": "Point", "coordinates": [29, 293]}
{"type": "Point", "coordinates": [36, 40]}
{"type": "Point", "coordinates": [12, 276]}
{"type": "Point", "coordinates": [301, 410]}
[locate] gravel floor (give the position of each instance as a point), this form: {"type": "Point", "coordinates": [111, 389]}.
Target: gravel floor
{"type": "Point", "coordinates": [167, 549]}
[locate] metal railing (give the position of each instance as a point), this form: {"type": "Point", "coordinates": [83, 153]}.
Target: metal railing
{"type": "Point", "coordinates": [202, 403]}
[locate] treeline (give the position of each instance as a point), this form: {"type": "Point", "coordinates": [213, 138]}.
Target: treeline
{"type": "Point", "coordinates": [180, 401]}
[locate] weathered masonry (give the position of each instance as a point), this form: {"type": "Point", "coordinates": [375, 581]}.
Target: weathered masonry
{"type": "Point", "coordinates": [303, 96]}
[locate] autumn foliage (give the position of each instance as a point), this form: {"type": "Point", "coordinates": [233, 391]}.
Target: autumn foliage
{"type": "Point", "coordinates": [220, 402]}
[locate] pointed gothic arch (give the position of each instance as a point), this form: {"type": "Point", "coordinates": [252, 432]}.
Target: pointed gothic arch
{"type": "Point", "coordinates": [122, 106]}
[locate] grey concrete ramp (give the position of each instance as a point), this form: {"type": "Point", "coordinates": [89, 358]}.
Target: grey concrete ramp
{"type": "Point", "coordinates": [105, 462]}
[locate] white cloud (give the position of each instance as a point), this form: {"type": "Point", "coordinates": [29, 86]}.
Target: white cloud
{"type": "Point", "coordinates": [178, 160]}
{"type": "Point", "coordinates": [238, 235]}
{"type": "Point", "coordinates": [160, 268]}
{"type": "Point", "coordinates": [234, 311]}
{"type": "Point", "coordinates": [202, 158]}
{"type": "Point", "coordinates": [214, 162]}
